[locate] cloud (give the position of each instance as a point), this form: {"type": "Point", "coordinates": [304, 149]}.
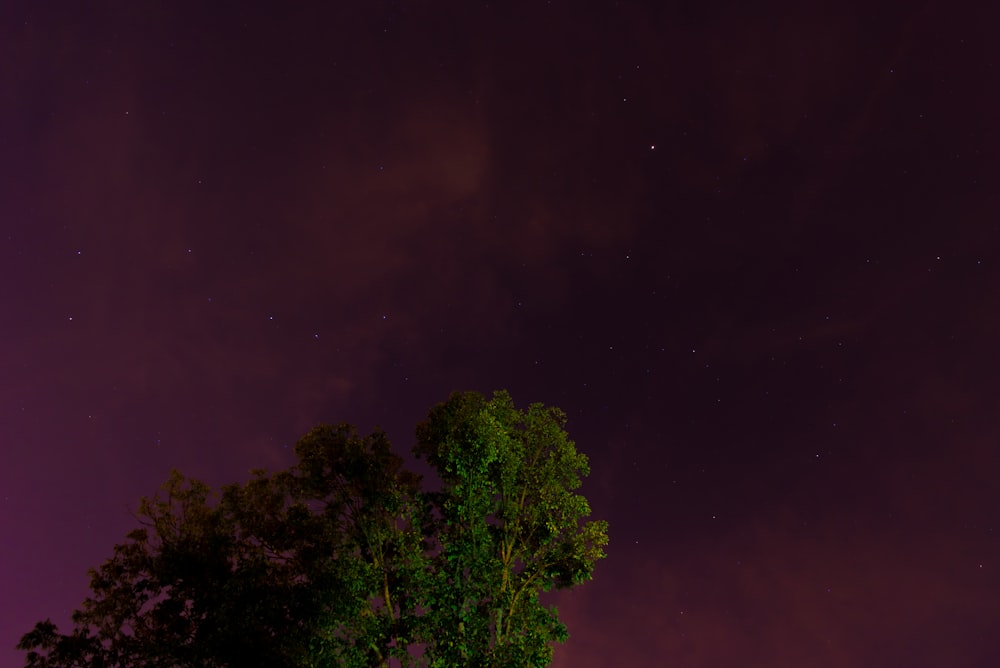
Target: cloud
{"type": "Point", "coordinates": [783, 592]}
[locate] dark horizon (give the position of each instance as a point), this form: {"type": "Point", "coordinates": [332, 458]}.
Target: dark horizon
{"type": "Point", "coordinates": [752, 252]}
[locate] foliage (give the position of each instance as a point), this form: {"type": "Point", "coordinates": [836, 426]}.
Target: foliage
{"type": "Point", "coordinates": [343, 560]}
{"type": "Point", "coordinates": [508, 526]}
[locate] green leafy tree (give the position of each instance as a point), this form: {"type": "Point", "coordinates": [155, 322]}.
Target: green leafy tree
{"type": "Point", "coordinates": [342, 560]}
{"type": "Point", "coordinates": [308, 567]}
{"type": "Point", "coordinates": [508, 525]}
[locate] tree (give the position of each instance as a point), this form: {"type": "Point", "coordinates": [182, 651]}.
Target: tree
{"type": "Point", "coordinates": [507, 523]}
{"type": "Point", "coordinates": [343, 560]}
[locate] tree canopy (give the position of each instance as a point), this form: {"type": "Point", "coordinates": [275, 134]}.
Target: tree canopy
{"type": "Point", "coordinates": [348, 559]}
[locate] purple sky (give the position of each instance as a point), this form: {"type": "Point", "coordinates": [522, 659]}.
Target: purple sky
{"type": "Point", "coordinates": [754, 254]}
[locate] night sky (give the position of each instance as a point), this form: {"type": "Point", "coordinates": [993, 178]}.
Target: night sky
{"type": "Point", "coordinates": [751, 249]}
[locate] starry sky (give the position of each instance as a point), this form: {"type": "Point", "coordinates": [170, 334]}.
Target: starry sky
{"type": "Point", "coordinates": [751, 249]}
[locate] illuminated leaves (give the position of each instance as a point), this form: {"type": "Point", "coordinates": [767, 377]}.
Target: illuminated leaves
{"type": "Point", "coordinates": [508, 524]}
